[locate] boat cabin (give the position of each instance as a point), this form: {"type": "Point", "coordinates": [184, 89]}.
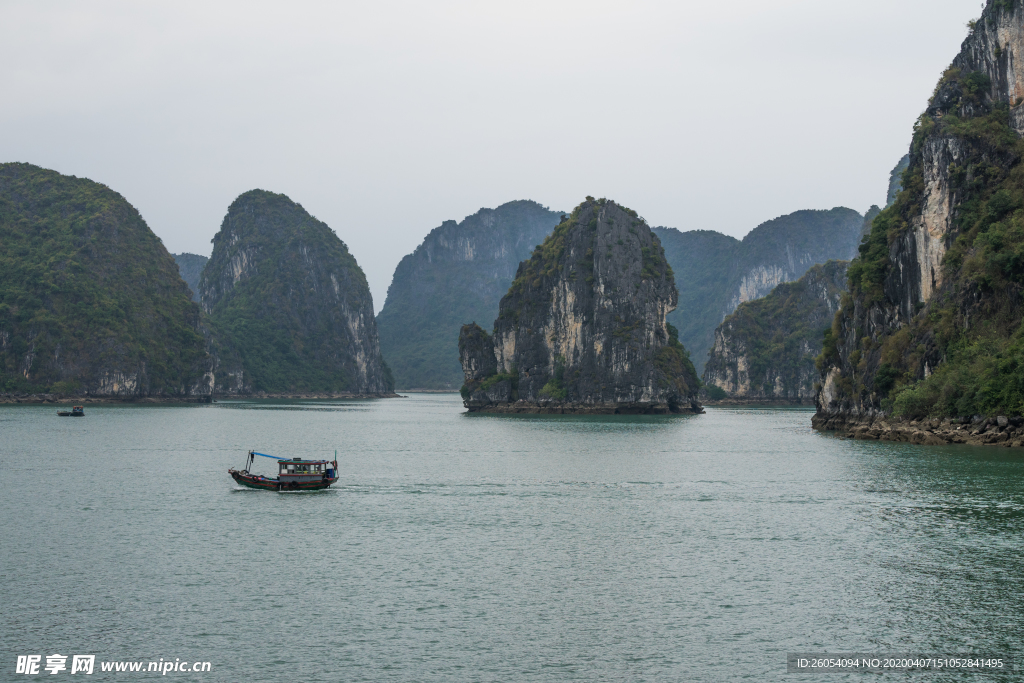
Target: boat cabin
{"type": "Point", "coordinates": [299, 470]}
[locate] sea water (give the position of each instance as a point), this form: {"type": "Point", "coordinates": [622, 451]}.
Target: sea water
{"type": "Point", "coordinates": [460, 547]}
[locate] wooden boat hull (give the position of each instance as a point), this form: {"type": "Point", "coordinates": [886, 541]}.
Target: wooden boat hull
{"type": "Point", "coordinates": [268, 484]}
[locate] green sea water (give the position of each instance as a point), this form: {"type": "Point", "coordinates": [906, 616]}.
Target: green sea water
{"type": "Point", "coordinates": [462, 547]}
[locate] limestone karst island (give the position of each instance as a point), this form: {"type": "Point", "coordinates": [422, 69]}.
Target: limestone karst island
{"type": "Point", "coordinates": [583, 327]}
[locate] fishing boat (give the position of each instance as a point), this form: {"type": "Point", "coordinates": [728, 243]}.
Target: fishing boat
{"type": "Point", "coordinates": [294, 474]}
{"type": "Point", "coordinates": [76, 411]}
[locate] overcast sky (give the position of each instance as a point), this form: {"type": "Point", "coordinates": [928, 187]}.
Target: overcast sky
{"type": "Point", "coordinates": [384, 119]}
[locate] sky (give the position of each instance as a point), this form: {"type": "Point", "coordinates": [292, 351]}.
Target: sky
{"type": "Point", "coordinates": [386, 118]}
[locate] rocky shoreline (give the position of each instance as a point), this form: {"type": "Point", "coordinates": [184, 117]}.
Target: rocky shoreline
{"type": "Point", "coordinates": [61, 399]}
{"type": "Point", "coordinates": [978, 431]}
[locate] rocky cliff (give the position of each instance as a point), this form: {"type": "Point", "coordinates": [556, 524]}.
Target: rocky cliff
{"type": "Point", "coordinates": [288, 306]}
{"type": "Point", "coordinates": [190, 267]}
{"type": "Point", "coordinates": [583, 326]}
{"type": "Point", "coordinates": [91, 303]}
{"type": "Point", "coordinates": [932, 326]}
{"type": "Point", "coordinates": [459, 273]}
{"type": "Point", "coordinates": [765, 350]}
{"type": "Point", "coordinates": [715, 273]}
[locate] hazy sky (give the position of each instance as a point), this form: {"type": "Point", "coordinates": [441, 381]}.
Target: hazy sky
{"type": "Point", "coordinates": [385, 118]}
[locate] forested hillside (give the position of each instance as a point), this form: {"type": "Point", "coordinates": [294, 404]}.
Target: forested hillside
{"type": "Point", "coordinates": [91, 302]}
{"type": "Point", "coordinates": [766, 348]}
{"type": "Point", "coordinates": [288, 306]}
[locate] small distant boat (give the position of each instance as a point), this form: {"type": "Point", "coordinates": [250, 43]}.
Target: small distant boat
{"type": "Point", "coordinates": [294, 475]}
{"type": "Point", "coordinates": [76, 411]}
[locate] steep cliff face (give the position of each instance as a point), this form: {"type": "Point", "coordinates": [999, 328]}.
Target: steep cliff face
{"type": "Point", "coordinates": [765, 350]}
{"type": "Point", "coordinates": [932, 324]}
{"type": "Point", "coordinates": [583, 328]}
{"type": "Point", "coordinates": [716, 273]}
{"type": "Point", "coordinates": [459, 273]}
{"type": "Point", "coordinates": [288, 306]}
{"type": "Point", "coordinates": [91, 303]}
{"type": "Point", "coordinates": [190, 267]}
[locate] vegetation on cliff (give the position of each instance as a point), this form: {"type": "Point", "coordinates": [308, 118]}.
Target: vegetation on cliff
{"type": "Point", "coordinates": [957, 348]}
{"type": "Point", "coordinates": [977, 365]}
{"type": "Point", "coordinates": [288, 306]}
{"type": "Point", "coordinates": [90, 300]}
{"type": "Point", "coordinates": [459, 273]}
{"type": "Point", "coordinates": [766, 349]}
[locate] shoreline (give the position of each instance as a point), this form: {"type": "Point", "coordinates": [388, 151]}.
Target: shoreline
{"type": "Point", "coordinates": [758, 402]}
{"type": "Point", "coordinates": [302, 396]}
{"type": "Point", "coordinates": [59, 399]}
{"type": "Point", "coordinates": [429, 391]}
{"type": "Point", "coordinates": [987, 431]}
{"type": "Point", "coordinates": [524, 408]}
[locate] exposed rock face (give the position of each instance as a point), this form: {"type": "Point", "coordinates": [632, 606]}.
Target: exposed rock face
{"type": "Point", "coordinates": [765, 350]}
{"type": "Point", "coordinates": [288, 305]}
{"type": "Point", "coordinates": [994, 50]}
{"type": "Point", "coordinates": [937, 273]}
{"type": "Point", "coordinates": [583, 328]}
{"type": "Point", "coordinates": [715, 273]}
{"type": "Point", "coordinates": [190, 266]}
{"type": "Point", "coordinates": [459, 273]}
{"type": "Point", "coordinates": [91, 303]}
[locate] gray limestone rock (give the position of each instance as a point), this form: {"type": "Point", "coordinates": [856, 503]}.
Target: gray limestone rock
{"type": "Point", "coordinates": [583, 328]}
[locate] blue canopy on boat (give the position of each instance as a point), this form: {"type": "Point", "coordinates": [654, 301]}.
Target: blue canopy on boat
{"type": "Point", "coordinates": [268, 456]}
